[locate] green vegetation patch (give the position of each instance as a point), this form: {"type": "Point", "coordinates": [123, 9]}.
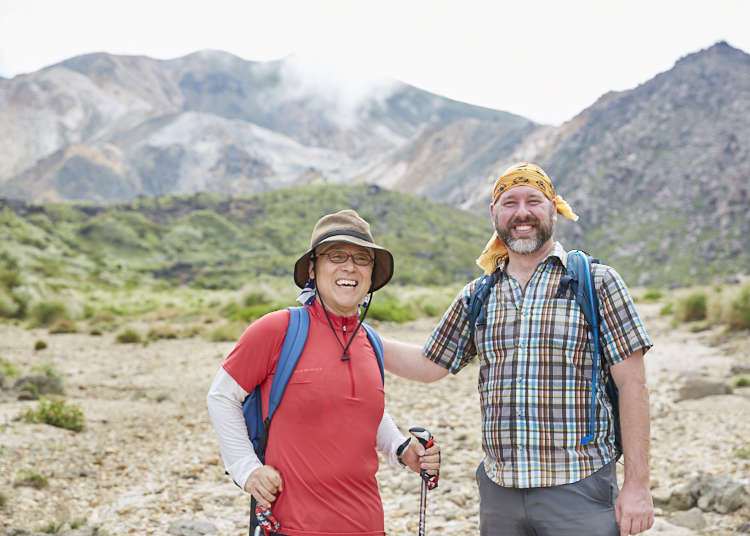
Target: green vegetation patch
{"type": "Point", "coordinates": [692, 307]}
{"type": "Point", "coordinates": [31, 480]}
{"type": "Point", "coordinates": [56, 412]}
{"type": "Point", "coordinates": [739, 315]}
{"type": "Point", "coordinates": [128, 336]}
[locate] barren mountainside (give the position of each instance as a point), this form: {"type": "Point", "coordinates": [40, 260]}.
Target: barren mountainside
{"type": "Point", "coordinates": [658, 173]}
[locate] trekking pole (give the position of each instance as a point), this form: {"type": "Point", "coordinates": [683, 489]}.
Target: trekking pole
{"type": "Point", "coordinates": [426, 440]}
{"type": "Point", "coordinates": [266, 521]}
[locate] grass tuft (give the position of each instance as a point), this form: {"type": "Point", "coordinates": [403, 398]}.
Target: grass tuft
{"type": "Point", "coordinates": [56, 412]}
{"type": "Point", "coordinates": [30, 480]}
{"type": "Point", "coordinates": [129, 336]}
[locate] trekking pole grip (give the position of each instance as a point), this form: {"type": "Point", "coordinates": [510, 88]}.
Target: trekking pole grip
{"type": "Point", "coordinates": [426, 440]}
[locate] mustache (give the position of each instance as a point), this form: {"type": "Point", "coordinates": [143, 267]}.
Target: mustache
{"type": "Point", "coordinates": [521, 221]}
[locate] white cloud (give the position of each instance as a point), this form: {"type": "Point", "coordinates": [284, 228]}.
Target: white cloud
{"type": "Point", "coordinates": [546, 60]}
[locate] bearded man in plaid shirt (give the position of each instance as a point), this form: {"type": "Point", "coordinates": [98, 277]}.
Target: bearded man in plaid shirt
{"type": "Point", "coordinates": [535, 364]}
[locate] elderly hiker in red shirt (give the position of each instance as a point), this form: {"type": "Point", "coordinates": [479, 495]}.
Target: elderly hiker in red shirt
{"type": "Point", "coordinates": [321, 460]}
{"type": "Point", "coordinates": [544, 473]}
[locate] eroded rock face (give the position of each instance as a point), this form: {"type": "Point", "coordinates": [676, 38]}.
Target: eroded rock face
{"type": "Point", "coordinates": [644, 168]}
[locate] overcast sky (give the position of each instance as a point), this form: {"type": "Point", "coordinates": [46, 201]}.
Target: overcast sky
{"type": "Point", "coordinates": [543, 60]}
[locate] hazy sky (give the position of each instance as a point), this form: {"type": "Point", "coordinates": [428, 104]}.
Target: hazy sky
{"type": "Point", "coordinates": [544, 60]}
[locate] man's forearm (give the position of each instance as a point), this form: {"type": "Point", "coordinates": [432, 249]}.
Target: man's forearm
{"type": "Point", "coordinates": [634, 421]}
{"type": "Point", "coordinates": [634, 418]}
{"type": "Point", "coordinates": [408, 361]}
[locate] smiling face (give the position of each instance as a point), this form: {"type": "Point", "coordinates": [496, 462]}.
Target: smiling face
{"type": "Point", "coordinates": [524, 219]}
{"type": "Point", "coordinates": [342, 286]}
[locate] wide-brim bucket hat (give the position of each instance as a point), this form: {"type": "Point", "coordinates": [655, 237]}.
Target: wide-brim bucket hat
{"type": "Point", "coordinates": [346, 226]}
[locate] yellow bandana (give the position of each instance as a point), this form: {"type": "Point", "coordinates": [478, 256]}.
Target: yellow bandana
{"type": "Point", "coordinates": [520, 174]}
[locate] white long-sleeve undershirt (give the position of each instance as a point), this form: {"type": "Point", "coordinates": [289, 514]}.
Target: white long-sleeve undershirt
{"type": "Point", "coordinates": [224, 401]}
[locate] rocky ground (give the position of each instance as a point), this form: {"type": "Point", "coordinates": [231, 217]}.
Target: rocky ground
{"type": "Point", "coordinates": [147, 461]}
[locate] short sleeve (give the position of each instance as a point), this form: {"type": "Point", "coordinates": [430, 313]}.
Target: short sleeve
{"type": "Point", "coordinates": [450, 344]}
{"type": "Point", "coordinates": [621, 327]}
{"type": "Point", "coordinates": [256, 353]}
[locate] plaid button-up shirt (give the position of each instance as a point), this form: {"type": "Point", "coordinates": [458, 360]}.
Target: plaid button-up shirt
{"type": "Point", "coordinates": [535, 365]}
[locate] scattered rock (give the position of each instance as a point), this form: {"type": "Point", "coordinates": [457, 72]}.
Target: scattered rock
{"type": "Point", "coordinates": [188, 527]}
{"type": "Point", "coordinates": [43, 385]}
{"type": "Point", "coordinates": [718, 493]}
{"type": "Point", "coordinates": [664, 528]}
{"type": "Point", "coordinates": [739, 369]}
{"type": "Point", "coordinates": [691, 519]}
{"type": "Point", "coordinates": [673, 500]}
{"type": "Point", "coordinates": [700, 388]}
{"type": "Point", "coordinates": [744, 528]}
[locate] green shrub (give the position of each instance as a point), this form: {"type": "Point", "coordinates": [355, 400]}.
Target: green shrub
{"type": "Point", "coordinates": [31, 480]}
{"type": "Point", "coordinates": [653, 295]}
{"type": "Point", "coordinates": [251, 313]}
{"type": "Point", "coordinates": [163, 332]}
{"type": "Point", "coordinates": [30, 390]}
{"type": "Point", "coordinates": [46, 312]}
{"type": "Point", "coordinates": [389, 311]}
{"type": "Point", "coordinates": [227, 332]}
{"type": "Point", "coordinates": [129, 336]}
{"type": "Point", "coordinates": [691, 307]}
{"type": "Point", "coordinates": [48, 369]}
{"type": "Point", "coordinates": [668, 309]}
{"type": "Point", "coordinates": [742, 381]}
{"type": "Point", "coordinates": [256, 297]}
{"type": "Point", "coordinates": [52, 527]}
{"type": "Point", "coordinates": [9, 369]}
{"type": "Point", "coordinates": [40, 345]}
{"type": "Point", "coordinates": [63, 325]}
{"type": "Point", "coordinates": [55, 412]}
{"type": "Point", "coordinates": [743, 453]}
{"type": "Point", "coordinates": [3, 500]}
{"type": "Point", "coordinates": [739, 311]}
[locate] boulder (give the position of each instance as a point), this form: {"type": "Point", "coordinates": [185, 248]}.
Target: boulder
{"type": "Point", "coordinates": [692, 519]}
{"type": "Point", "coordinates": [695, 388]}
{"type": "Point", "coordinates": [38, 385]}
{"type": "Point", "coordinates": [718, 493]}
{"type": "Point", "coordinates": [189, 527]}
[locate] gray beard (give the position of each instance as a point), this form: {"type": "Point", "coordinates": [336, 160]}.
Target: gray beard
{"type": "Point", "coordinates": [525, 246]}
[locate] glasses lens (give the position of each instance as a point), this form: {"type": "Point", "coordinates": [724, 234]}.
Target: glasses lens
{"type": "Point", "coordinates": [337, 256]}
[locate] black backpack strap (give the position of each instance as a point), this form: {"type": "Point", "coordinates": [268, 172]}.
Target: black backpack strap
{"type": "Point", "coordinates": [478, 298]}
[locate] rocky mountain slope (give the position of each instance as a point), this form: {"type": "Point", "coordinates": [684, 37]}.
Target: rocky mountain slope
{"type": "Point", "coordinates": [110, 128]}
{"type": "Point", "coordinates": [658, 173]}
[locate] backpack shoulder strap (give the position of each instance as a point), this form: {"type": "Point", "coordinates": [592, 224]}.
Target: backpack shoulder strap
{"type": "Point", "coordinates": [377, 345]}
{"type": "Point", "coordinates": [294, 342]}
{"type": "Point", "coordinates": [477, 299]}
{"type": "Point", "coordinates": [581, 279]}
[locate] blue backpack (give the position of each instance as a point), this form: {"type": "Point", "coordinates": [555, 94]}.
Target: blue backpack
{"type": "Point", "coordinates": [294, 342]}
{"type": "Point", "coordinates": [579, 278]}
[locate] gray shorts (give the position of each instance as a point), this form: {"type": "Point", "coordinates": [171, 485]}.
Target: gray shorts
{"type": "Point", "coordinates": [583, 508]}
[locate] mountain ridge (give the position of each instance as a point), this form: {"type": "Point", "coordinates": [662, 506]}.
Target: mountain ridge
{"type": "Point", "coordinates": [644, 167]}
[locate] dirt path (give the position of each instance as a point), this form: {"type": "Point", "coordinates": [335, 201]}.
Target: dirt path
{"type": "Point", "coordinates": [148, 456]}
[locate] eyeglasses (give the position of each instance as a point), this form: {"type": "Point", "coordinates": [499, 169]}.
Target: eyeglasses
{"type": "Point", "coordinates": [340, 257]}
